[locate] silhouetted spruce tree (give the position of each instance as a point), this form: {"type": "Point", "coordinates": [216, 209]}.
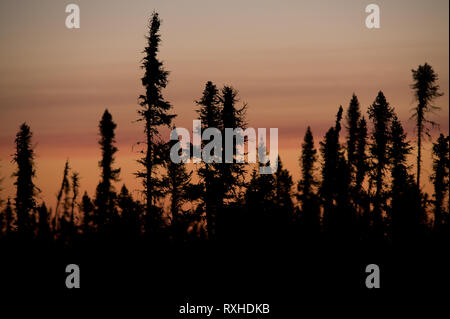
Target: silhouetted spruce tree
{"type": "Point", "coordinates": [356, 152]}
{"type": "Point", "coordinates": [440, 180]}
{"type": "Point", "coordinates": [72, 225]}
{"type": "Point", "coordinates": [231, 175]}
{"type": "Point", "coordinates": [44, 223]}
{"type": "Point", "coordinates": [402, 212]}
{"type": "Point", "coordinates": [154, 112]}
{"type": "Point", "coordinates": [210, 116]}
{"type": "Point", "coordinates": [252, 188]}
{"type": "Point", "coordinates": [75, 191]}
{"type": "Point", "coordinates": [260, 206]}
{"type": "Point", "coordinates": [87, 208]}
{"type": "Point", "coordinates": [253, 202]}
{"type": "Point", "coordinates": [60, 218]}
{"type": "Point", "coordinates": [2, 223]}
{"type": "Point", "coordinates": [361, 198]}
{"type": "Point", "coordinates": [210, 111]}
{"type": "Point", "coordinates": [284, 212]}
{"type": "Point", "coordinates": [337, 125]}
{"type": "Point", "coordinates": [328, 170]}
{"type": "Point", "coordinates": [64, 217]}
{"type": "Point", "coordinates": [177, 184]}
{"type": "Point", "coordinates": [380, 112]}
{"type": "Point", "coordinates": [130, 212]}
{"type": "Point", "coordinates": [345, 217]}
{"type": "Point", "coordinates": [307, 196]}
{"type": "Point", "coordinates": [334, 183]}
{"type": "Point", "coordinates": [10, 220]}
{"type": "Point", "coordinates": [105, 194]}
{"type": "Point", "coordinates": [361, 159]}
{"type": "Point", "coordinates": [232, 117]}
{"type": "Point", "coordinates": [353, 119]}
{"type": "Point", "coordinates": [25, 189]}
{"type": "Point", "coordinates": [260, 214]}
{"type": "Point", "coordinates": [283, 188]}
{"type": "Point", "coordinates": [64, 186]}
{"type": "Point", "coordinates": [270, 211]}
{"type": "Point", "coordinates": [1, 189]}
{"type": "Point", "coordinates": [2, 214]}
{"type": "Point", "coordinates": [425, 91]}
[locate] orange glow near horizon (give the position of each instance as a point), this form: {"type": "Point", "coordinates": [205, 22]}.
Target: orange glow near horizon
{"type": "Point", "coordinates": [293, 62]}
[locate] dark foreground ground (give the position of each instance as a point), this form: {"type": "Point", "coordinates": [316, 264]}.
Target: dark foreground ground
{"type": "Point", "coordinates": [155, 280]}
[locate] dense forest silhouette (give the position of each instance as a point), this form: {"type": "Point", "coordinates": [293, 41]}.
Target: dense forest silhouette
{"type": "Point", "coordinates": [356, 188]}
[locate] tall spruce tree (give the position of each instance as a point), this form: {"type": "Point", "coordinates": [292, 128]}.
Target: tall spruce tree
{"type": "Point", "coordinates": [63, 190]}
{"type": "Point", "coordinates": [381, 113]}
{"type": "Point", "coordinates": [360, 196]}
{"type": "Point", "coordinates": [307, 196]}
{"type": "Point", "coordinates": [231, 175]}
{"type": "Point", "coordinates": [330, 187]}
{"type": "Point", "coordinates": [210, 115]}
{"type": "Point", "coordinates": [425, 91]}
{"type": "Point", "coordinates": [64, 184]}
{"type": "Point", "coordinates": [75, 191]}
{"type": "Point", "coordinates": [353, 118]}
{"type": "Point", "coordinates": [154, 112]}
{"type": "Point", "coordinates": [65, 220]}
{"type": "Point", "coordinates": [283, 189]}
{"type": "Point", "coordinates": [178, 186]}
{"type": "Point", "coordinates": [25, 189]}
{"type": "Point", "coordinates": [260, 202]}
{"type": "Point", "coordinates": [232, 117]}
{"type": "Point", "coordinates": [401, 213]}
{"type": "Point", "coordinates": [440, 180]}
{"type": "Point", "coordinates": [210, 111]}
{"type": "Point", "coordinates": [328, 171]}
{"type": "Point", "coordinates": [73, 221]}
{"type": "Point", "coordinates": [361, 158]}
{"type": "Point", "coordinates": [307, 161]}
{"type": "Point", "coordinates": [105, 194]}
{"type": "Point", "coordinates": [284, 207]}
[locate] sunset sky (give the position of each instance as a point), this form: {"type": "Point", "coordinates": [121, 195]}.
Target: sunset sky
{"type": "Point", "coordinates": [293, 62]}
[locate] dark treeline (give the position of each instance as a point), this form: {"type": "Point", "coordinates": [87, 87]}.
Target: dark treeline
{"type": "Point", "coordinates": [356, 185]}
